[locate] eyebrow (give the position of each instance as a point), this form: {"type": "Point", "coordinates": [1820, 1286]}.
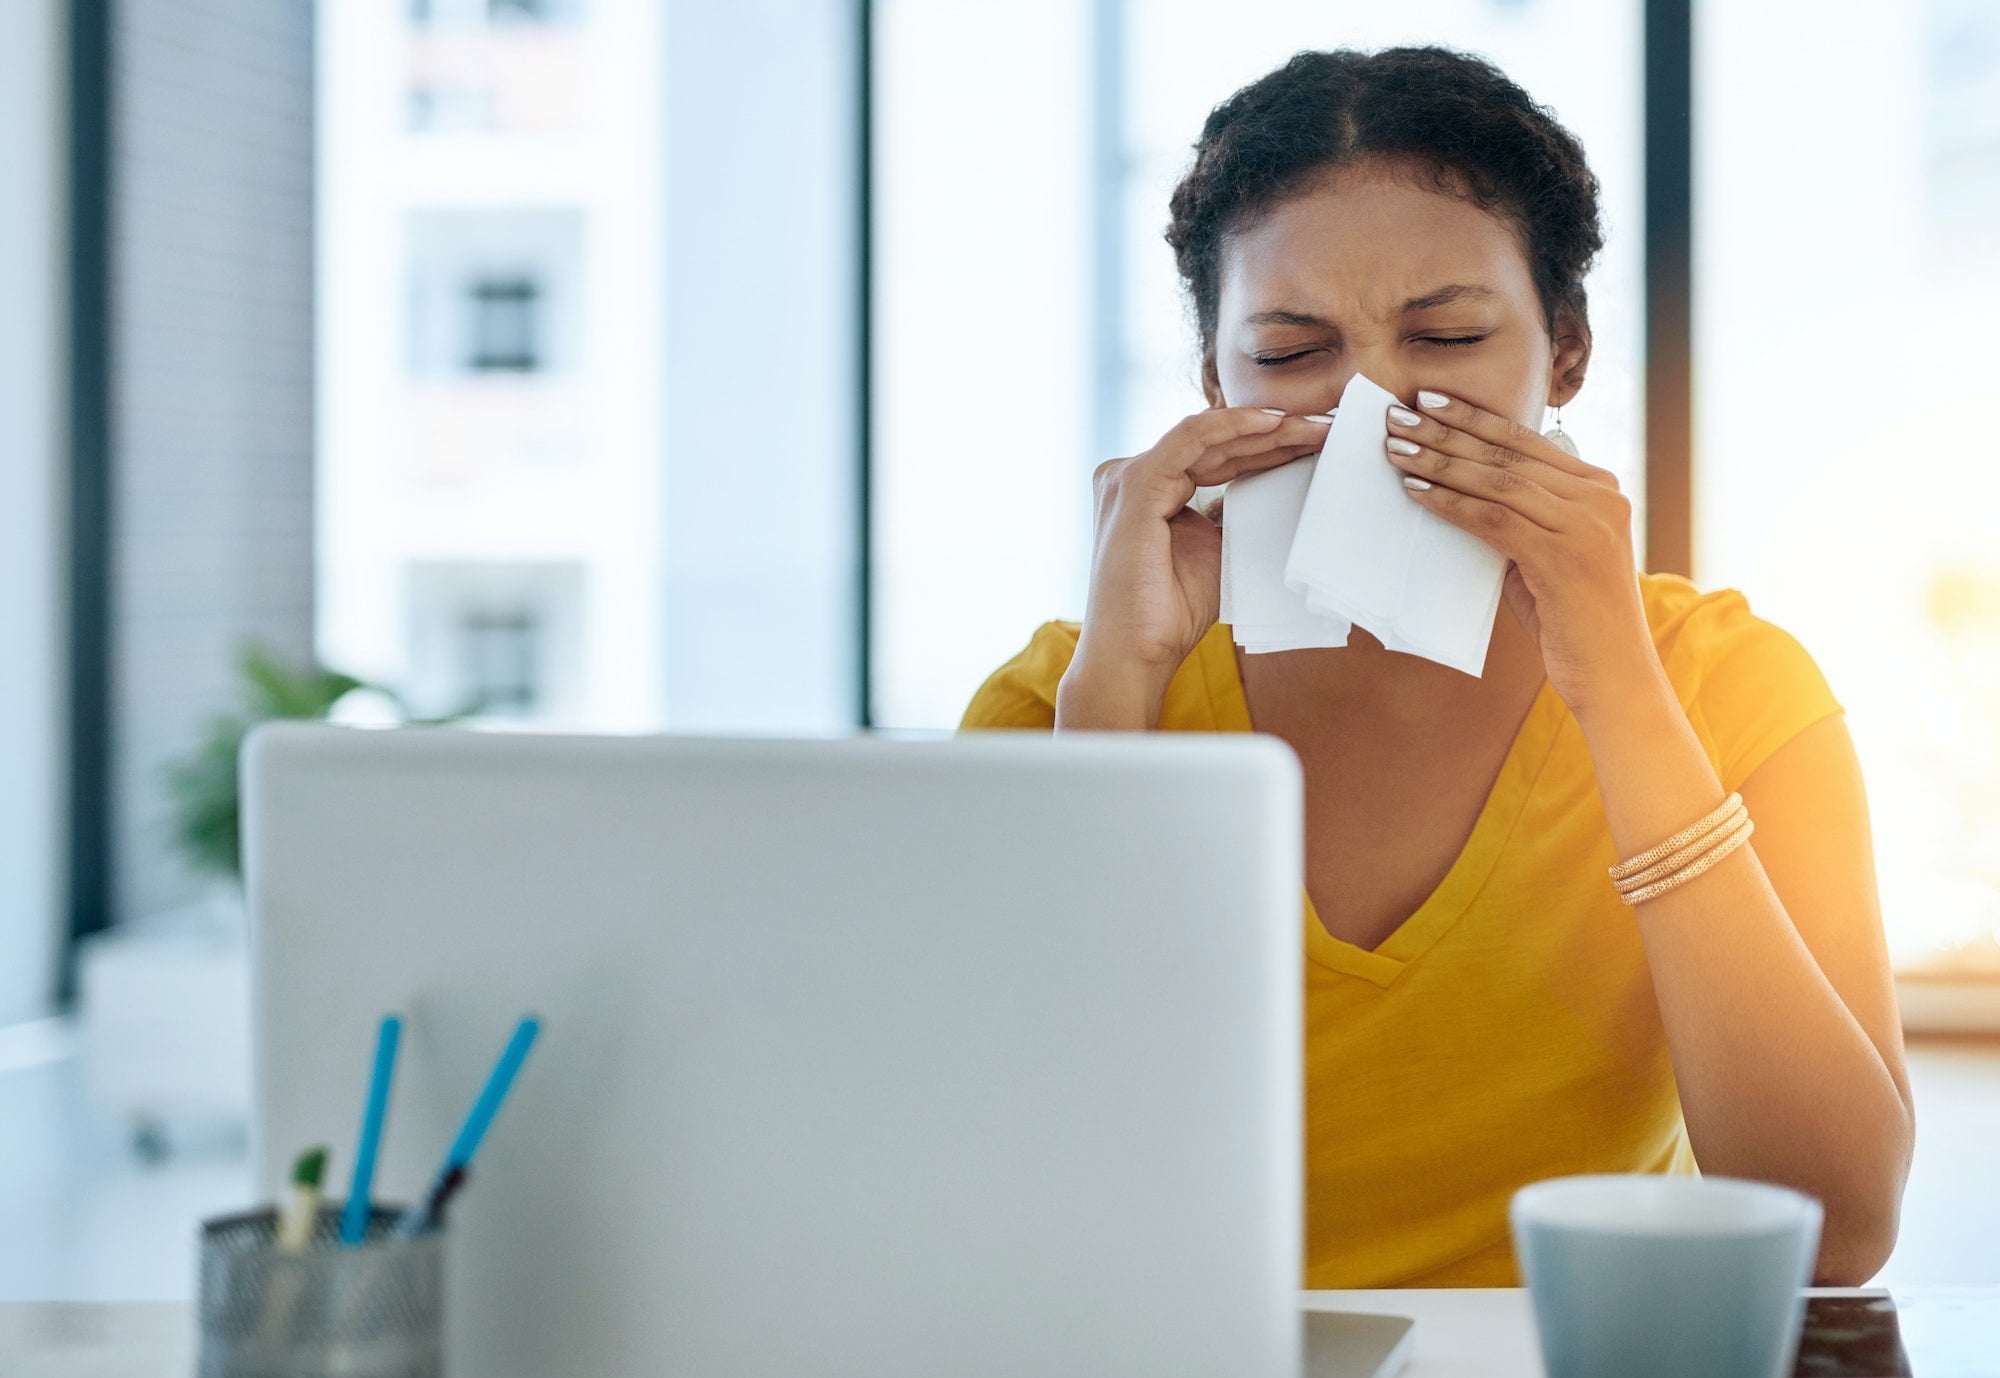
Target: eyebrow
{"type": "Point", "coordinates": [1441, 296]}
{"type": "Point", "coordinates": [1446, 295]}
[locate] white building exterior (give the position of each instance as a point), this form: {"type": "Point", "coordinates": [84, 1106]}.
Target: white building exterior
{"type": "Point", "coordinates": [490, 355]}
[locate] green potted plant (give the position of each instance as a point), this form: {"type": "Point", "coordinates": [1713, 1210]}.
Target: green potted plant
{"type": "Point", "coordinates": [203, 784]}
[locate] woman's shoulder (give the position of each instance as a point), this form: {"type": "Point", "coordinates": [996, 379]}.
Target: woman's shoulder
{"type": "Point", "coordinates": [1022, 692]}
{"type": "Point", "coordinates": [1697, 630]}
{"type": "Point", "coordinates": [1674, 603]}
{"type": "Point", "coordinates": [1748, 685]}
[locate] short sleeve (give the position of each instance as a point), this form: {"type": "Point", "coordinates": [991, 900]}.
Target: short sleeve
{"type": "Point", "coordinates": [1022, 693]}
{"type": "Point", "coordinates": [1758, 687]}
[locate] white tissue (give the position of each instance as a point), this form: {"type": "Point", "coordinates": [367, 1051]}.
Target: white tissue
{"type": "Point", "coordinates": [1330, 543]}
{"type": "Point", "coordinates": [1260, 517]}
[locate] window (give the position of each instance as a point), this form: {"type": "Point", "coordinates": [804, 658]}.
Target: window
{"type": "Point", "coordinates": [1846, 274]}
{"type": "Point", "coordinates": [499, 302]}
{"type": "Point", "coordinates": [494, 11]}
{"type": "Point", "coordinates": [506, 325]}
{"type": "Point", "coordinates": [495, 638]}
{"type": "Point", "coordinates": [501, 654]}
{"type": "Point", "coordinates": [533, 11]}
{"type": "Point", "coordinates": [1029, 320]}
{"type": "Point", "coordinates": [492, 66]}
{"type": "Point", "coordinates": [492, 503]}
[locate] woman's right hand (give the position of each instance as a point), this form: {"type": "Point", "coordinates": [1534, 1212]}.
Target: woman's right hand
{"type": "Point", "coordinates": [1156, 566]}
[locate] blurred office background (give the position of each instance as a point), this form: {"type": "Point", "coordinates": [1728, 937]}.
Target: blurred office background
{"type": "Point", "coordinates": [672, 364]}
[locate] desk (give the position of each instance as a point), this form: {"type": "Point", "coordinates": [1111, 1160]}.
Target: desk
{"type": "Point", "coordinates": [1491, 1334]}
{"type": "Point", "coordinates": [97, 1339]}
{"type": "Point", "coordinates": [1460, 1334]}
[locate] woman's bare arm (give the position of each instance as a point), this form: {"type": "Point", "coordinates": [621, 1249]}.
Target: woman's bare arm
{"type": "Point", "coordinates": [1771, 971]}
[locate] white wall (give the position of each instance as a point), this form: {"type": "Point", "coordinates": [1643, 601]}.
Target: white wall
{"type": "Point", "coordinates": [31, 436]}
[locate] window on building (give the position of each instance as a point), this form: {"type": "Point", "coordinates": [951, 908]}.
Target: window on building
{"type": "Point", "coordinates": [495, 638]}
{"type": "Point", "coordinates": [500, 653]}
{"type": "Point", "coordinates": [440, 109]}
{"type": "Point", "coordinates": [476, 11]}
{"type": "Point", "coordinates": [506, 325]}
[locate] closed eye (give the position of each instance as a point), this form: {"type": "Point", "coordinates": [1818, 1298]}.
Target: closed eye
{"type": "Point", "coordinates": [1443, 341]}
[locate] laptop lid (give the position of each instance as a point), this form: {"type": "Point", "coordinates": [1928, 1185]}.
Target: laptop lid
{"type": "Point", "coordinates": [862, 1057]}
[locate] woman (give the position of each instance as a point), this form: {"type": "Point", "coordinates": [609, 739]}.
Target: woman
{"type": "Point", "coordinates": [1484, 1008]}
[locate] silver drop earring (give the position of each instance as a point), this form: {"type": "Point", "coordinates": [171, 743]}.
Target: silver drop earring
{"type": "Point", "coordinates": [1559, 437]}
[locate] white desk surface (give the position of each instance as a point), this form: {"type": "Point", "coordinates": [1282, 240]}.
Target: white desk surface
{"type": "Point", "coordinates": [1460, 1333]}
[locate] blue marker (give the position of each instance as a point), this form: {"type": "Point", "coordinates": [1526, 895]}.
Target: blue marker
{"type": "Point", "coordinates": [477, 1122]}
{"type": "Point", "coordinates": [354, 1219]}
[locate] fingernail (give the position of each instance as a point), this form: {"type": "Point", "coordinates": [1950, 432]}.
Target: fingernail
{"type": "Point", "coordinates": [1415, 484]}
{"type": "Point", "coordinates": [1403, 416]}
{"type": "Point", "coordinates": [1324, 418]}
{"type": "Point", "coordinates": [1433, 400]}
{"type": "Point", "coordinates": [1271, 411]}
{"type": "Point", "coordinates": [1400, 446]}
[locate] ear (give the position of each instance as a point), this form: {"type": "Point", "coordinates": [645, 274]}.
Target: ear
{"type": "Point", "coordinates": [1211, 382]}
{"type": "Point", "coordinates": [1571, 360]}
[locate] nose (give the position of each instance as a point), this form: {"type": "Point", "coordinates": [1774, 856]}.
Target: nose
{"type": "Point", "coordinates": [1385, 372]}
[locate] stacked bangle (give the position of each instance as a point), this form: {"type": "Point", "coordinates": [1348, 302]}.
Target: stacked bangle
{"type": "Point", "coordinates": [1693, 851]}
{"type": "Point", "coordinates": [1685, 855]}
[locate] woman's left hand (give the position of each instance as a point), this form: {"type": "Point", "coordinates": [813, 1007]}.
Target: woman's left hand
{"type": "Point", "coordinates": [1564, 524]}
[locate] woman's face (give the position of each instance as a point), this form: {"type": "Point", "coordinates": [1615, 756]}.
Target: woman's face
{"type": "Point", "coordinates": [1370, 273]}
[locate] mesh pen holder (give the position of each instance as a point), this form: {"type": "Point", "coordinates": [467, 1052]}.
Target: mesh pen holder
{"type": "Point", "coordinates": [372, 1311]}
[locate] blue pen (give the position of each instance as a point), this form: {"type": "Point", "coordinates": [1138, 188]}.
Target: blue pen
{"type": "Point", "coordinates": [477, 1121]}
{"type": "Point", "coordinates": [354, 1219]}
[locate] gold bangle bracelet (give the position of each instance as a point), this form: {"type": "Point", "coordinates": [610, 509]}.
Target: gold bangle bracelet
{"type": "Point", "coordinates": [1634, 865]}
{"type": "Point", "coordinates": [1687, 855]}
{"type": "Point", "coordinates": [1680, 878]}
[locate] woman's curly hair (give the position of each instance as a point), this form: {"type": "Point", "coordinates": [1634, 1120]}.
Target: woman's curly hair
{"type": "Point", "coordinates": [1454, 119]}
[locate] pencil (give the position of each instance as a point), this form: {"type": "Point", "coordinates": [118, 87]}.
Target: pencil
{"type": "Point", "coordinates": [354, 1218]}
{"type": "Point", "coordinates": [477, 1121]}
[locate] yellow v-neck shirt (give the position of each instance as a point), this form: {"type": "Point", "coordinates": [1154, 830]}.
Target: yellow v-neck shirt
{"type": "Point", "coordinates": [1507, 1031]}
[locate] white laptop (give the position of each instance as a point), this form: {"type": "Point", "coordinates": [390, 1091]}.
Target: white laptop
{"type": "Point", "coordinates": [859, 1057]}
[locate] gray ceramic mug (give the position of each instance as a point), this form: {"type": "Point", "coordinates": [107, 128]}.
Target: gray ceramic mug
{"type": "Point", "coordinates": [1647, 1276]}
